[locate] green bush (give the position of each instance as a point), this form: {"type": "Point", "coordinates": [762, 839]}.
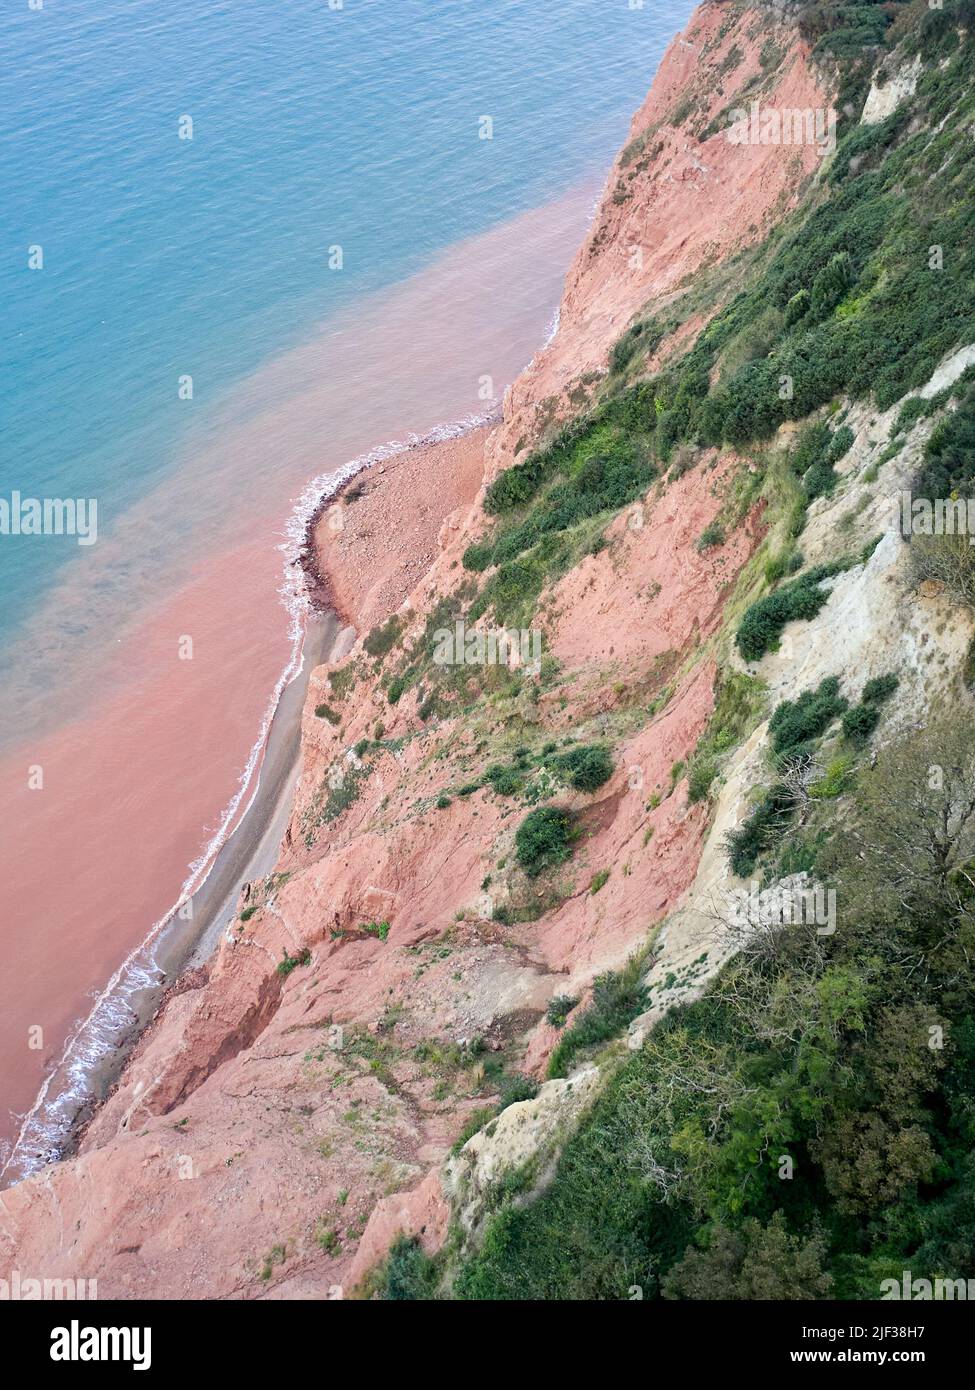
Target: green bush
{"type": "Point", "coordinates": [478, 557]}
{"type": "Point", "coordinates": [831, 284]}
{"type": "Point", "coordinates": [382, 639]}
{"type": "Point", "coordinates": [326, 712]}
{"type": "Point", "coordinates": [544, 839]}
{"type": "Point", "coordinates": [409, 1274]}
{"type": "Point", "coordinates": [585, 767]}
{"type": "Point", "coordinates": [516, 1088]}
{"type": "Point", "coordinates": [643, 337]}
{"type": "Point", "coordinates": [764, 621]}
{"type": "Point", "coordinates": [712, 535]}
{"type": "Point", "coordinates": [795, 723]}
{"type": "Point", "coordinates": [559, 1009]}
{"type": "Point", "coordinates": [881, 688]}
{"type": "Point", "coordinates": [860, 722]}
{"type": "Point", "coordinates": [395, 689]}
{"type": "Point", "coordinates": [288, 963]}
{"type": "Point", "coordinates": [506, 781]}
{"type": "Point", "coordinates": [377, 929]}
{"type": "Point", "coordinates": [949, 456]}
{"type": "Point", "coordinates": [760, 831]}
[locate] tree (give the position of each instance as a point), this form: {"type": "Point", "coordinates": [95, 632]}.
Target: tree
{"type": "Point", "coordinates": [756, 1262]}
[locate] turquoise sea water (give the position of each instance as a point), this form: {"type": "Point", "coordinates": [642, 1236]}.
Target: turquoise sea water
{"type": "Point", "coordinates": [313, 126]}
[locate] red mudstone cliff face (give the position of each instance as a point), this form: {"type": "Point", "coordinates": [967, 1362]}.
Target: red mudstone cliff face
{"type": "Point", "coordinates": [273, 1130]}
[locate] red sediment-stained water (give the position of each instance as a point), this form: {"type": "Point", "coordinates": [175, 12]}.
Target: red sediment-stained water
{"type": "Point", "coordinates": [141, 750]}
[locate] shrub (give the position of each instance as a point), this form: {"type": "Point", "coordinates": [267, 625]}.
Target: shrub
{"type": "Point", "coordinates": [949, 457]}
{"type": "Point", "coordinates": [395, 689]}
{"type": "Point", "coordinates": [506, 781]}
{"type": "Point", "coordinates": [544, 839]}
{"type": "Point", "coordinates": [778, 566]}
{"type": "Point", "coordinates": [796, 722]}
{"type": "Point", "coordinates": [478, 557]}
{"type": "Point", "coordinates": [764, 621]}
{"type": "Point", "coordinates": [288, 963]}
{"type": "Point", "coordinates": [835, 780]}
{"type": "Point", "coordinates": [876, 691]}
{"type": "Point", "coordinates": [585, 767]}
{"type": "Point", "coordinates": [712, 535]}
{"type": "Point", "coordinates": [516, 1088]}
{"type": "Point", "coordinates": [559, 1009]}
{"type": "Point", "coordinates": [409, 1273]}
{"type": "Point", "coordinates": [378, 929]}
{"type": "Point", "coordinates": [598, 880]}
{"type": "Point", "coordinates": [760, 830]}
{"type": "Point", "coordinates": [382, 639]}
{"type": "Point", "coordinates": [860, 722]}
{"type": "Point", "coordinates": [326, 712]}
{"type": "Point", "coordinates": [640, 336]}
{"type": "Point", "coordinates": [443, 801]}
{"type": "Point", "coordinates": [831, 284]}
{"type": "Point", "coordinates": [914, 408]}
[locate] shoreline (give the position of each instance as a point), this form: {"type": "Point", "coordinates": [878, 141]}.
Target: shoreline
{"type": "Point", "coordinates": [179, 945]}
{"type": "Point", "coordinates": [182, 943]}
{"type": "Point", "coordinates": [184, 946]}
{"type": "Point", "coordinates": [319, 584]}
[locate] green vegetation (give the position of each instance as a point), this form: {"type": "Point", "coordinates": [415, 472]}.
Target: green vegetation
{"type": "Point", "coordinates": [585, 767]}
{"type": "Point", "coordinates": [761, 830]}
{"type": "Point", "coordinates": [617, 998]}
{"type": "Point", "coordinates": [394, 689]}
{"type": "Point", "coordinates": [879, 689]}
{"type": "Point", "coordinates": [326, 712]}
{"type": "Point", "coordinates": [408, 1272]}
{"type": "Point", "coordinates": [738, 702]}
{"type": "Point", "coordinates": [795, 724]}
{"type": "Point", "coordinates": [846, 297]}
{"type": "Point", "coordinates": [544, 839]}
{"type": "Point", "coordinates": [860, 722]}
{"type": "Point", "coordinates": [516, 1088]}
{"type": "Point", "coordinates": [381, 640]}
{"type": "Point", "coordinates": [765, 621]}
{"type": "Point", "coordinates": [378, 929]}
{"type": "Point", "coordinates": [642, 336]}
{"type": "Point", "coordinates": [949, 457]}
{"type": "Point", "coordinates": [712, 535]}
{"type": "Point", "coordinates": [804, 1130]}
{"type": "Point", "coordinates": [554, 505]}
{"type": "Point", "coordinates": [559, 1009]}
{"type": "Point", "coordinates": [288, 963]}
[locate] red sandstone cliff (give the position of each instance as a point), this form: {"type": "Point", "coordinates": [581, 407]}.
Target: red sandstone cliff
{"type": "Point", "coordinates": [273, 1130]}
